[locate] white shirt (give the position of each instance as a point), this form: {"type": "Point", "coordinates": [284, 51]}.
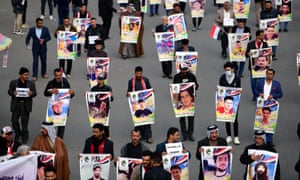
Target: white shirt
{"type": "Point", "coordinates": [267, 90]}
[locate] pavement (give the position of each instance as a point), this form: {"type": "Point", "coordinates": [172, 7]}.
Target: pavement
{"type": "Point", "coordinates": [210, 67]}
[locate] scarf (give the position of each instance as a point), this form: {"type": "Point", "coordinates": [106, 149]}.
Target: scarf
{"type": "Point", "coordinates": [142, 82]}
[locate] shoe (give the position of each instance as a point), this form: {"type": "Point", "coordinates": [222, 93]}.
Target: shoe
{"type": "Point", "coordinates": [149, 141]}
{"type": "Point", "coordinates": [124, 57]}
{"type": "Point", "coordinates": [24, 26]}
{"type": "Point", "coordinates": [224, 55]}
{"type": "Point", "coordinates": [183, 138]}
{"type": "Point", "coordinates": [14, 31]}
{"type": "Point", "coordinates": [236, 141]}
{"type": "Point", "coordinates": [229, 139]}
{"type": "Point", "coordinates": [150, 15]}
{"type": "Point", "coordinates": [164, 76]}
{"type": "Point", "coordinates": [191, 138]}
{"type": "Point", "coordinates": [69, 76]}
{"type": "Point", "coordinates": [279, 30]}
{"type": "Point", "coordinates": [34, 78]}
{"type": "Point", "coordinates": [170, 77]}
{"type": "Point", "coordinates": [51, 17]}
{"type": "Point", "coordinates": [194, 29]}
{"type": "Point", "coordinates": [285, 30]}
{"type": "Point", "coordinates": [199, 28]}
{"type": "Point", "coordinates": [274, 58]}
{"type": "Point", "coordinates": [19, 32]}
{"type": "Point", "coordinates": [241, 76]}
{"type": "Point", "coordinates": [42, 17]}
{"type": "Point", "coordinates": [45, 76]}
{"type": "Point", "coordinates": [157, 14]}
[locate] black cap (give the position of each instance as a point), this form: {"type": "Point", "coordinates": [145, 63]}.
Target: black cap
{"type": "Point", "coordinates": [100, 77]}
{"type": "Point", "coordinates": [23, 70]}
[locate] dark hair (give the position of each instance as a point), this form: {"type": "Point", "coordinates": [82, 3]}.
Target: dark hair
{"type": "Point", "coordinates": [147, 153]}
{"type": "Point", "coordinates": [258, 32]}
{"type": "Point", "coordinates": [264, 175]}
{"type": "Point", "coordinates": [271, 70]}
{"type": "Point", "coordinates": [227, 153]}
{"type": "Point", "coordinates": [99, 126]}
{"type": "Point", "coordinates": [189, 90]}
{"type": "Point", "coordinates": [50, 169]}
{"type": "Point", "coordinates": [171, 131]}
{"type": "Point", "coordinates": [228, 98]}
{"type": "Point", "coordinates": [93, 18]}
{"type": "Point", "coordinates": [135, 130]}
{"type": "Point", "coordinates": [56, 70]}
{"type": "Point", "coordinates": [266, 108]}
{"type": "Point", "coordinates": [38, 19]}
{"type": "Point", "coordinates": [268, 1]}
{"type": "Point", "coordinates": [138, 69]}
{"type": "Point", "coordinates": [66, 18]}
{"type": "Point", "coordinates": [228, 64]}
{"type": "Point", "coordinates": [176, 5]}
{"type": "Point", "coordinates": [175, 167]}
{"type": "Point", "coordinates": [156, 157]}
{"type": "Point", "coordinates": [185, 42]}
{"type": "Point", "coordinates": [83, 4]}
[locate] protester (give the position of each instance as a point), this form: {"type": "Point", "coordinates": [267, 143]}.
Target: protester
{"type": "Point", "coordinates": [21, 103]}
{"type": "Point", "coordinates": [99, 50]}
{"type": "Point", "coordinates": [50, 5]}
{"type": "Point", "coordinates": [139, 171]}
{"type": "Point", "coordinates": [50, 173]}
{"type": "Point", "coordinates": [62, 10]}
{"type": "Point", "coordinates": [8, 146]}
{"type": "Point", "coordinates": [105, 11]}
{"type": "Point", "coordinates": [157, 172]}
{"type": "Point", "coordinates": [40, 35]}
{"type": "Point", "coordinates": [18, 9]}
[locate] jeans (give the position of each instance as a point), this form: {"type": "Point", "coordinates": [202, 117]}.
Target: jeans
{"type": "Point", "coordinates": [24, 13]}
{"type": "Point", "coordinates": [239, 67]}
{"type": "Point", "coordinates": [62, 13]}
{"type": "Point", "coordinates": [269, 138]}
{"type": "Point", "coordinates": [35, 64]}
{"type": "Point", "coordinates": [167, 67]}
{"type": "Point", "coordinates": [235, 127]}
{"type": "Point", "coordinates": [106, 25]}
{"type": "Point", "coordinates": [195, 24]}
{"type": "Point", "coordinates": [274, 49]}
{"type": "Point", "coordinates": [154, 9]}
{"type": "Point", "coordinates": [284, 24]}
{"type": "Point", "coordinates": [50, 5]}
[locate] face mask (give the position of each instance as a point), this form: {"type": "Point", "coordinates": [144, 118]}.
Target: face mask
{"type": "Point", "coordinates": [228, 73]}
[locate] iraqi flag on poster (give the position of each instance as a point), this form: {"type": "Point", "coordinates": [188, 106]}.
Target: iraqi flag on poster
{"type": "Point", "coordinates": [179, 160]}
{"type": "Point", "coordinates": [214, 32]}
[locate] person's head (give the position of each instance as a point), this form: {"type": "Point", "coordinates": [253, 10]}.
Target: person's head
{"type": "Point", "coordinates": [100, 79]}
{"type": "Point", "coordinates": [196, 5]}
{"type": "Point", "coordinates": [93, 22]}
{"type": "Point", "coordinates": [227, 5]}
{"type": "Point", "coordinates": [98, 131]}
{"type": "Point", "coordinates": [173, 135]}
{"type": "Point", "coordinates": [50, 173]}
{"type": "Point", "coordinates": [229, 68]}
{"type": "Point", "coordinates": [284, 9]}
{"type": "Point", "coordinates": [270, 73]}
{"type": "Point", "coordinates": [66, 21]}
{"type": "Point", "coordinates": [23, 74]}
{"type": "Point", "coordinates": [146, 159]}
{"type": "Point", "coordinates": [141, 104]}
{"type": "Point", "coordinates": [8, 134]}
{"type": "Point", "coordinates": [136, 136]}
{"type": "Point", "coordinates": [131, 26]}
{"type": "Point", "coordinates": [221, 159]}
{"type": "Point", "coordinates": [186, 97]}
{"type": "Point", "coordinates": [268, 5]}
{"type": "Point", "coordinates": [270, 32]}
{"type": "Point", "coordinates": [228, 103]}
{"type": "Point", "coordinates": [48, 130]}
{"type": "Point", "coordinates": [176, 8]}
{"type": "Point", "coordinates": [238, 44]}
{"type": "Point", "coordinates": [97, 170]}
{"type": "Point", "coordinates": [138, 72]}
{"type": "Point", "coordinates": [261, 169]}
{"type": "Point", "coordinates": [164, 20]}
{"type": "Point", "coordinates": [175, 172]}
{"type": "Point", "coordinates": [212, 132]}
{"type": "Point", "coordinates": [130, 8]}
{"type": "Point", "coordinates": [23, 150]}
{"type": "Point", "coordinates": [83, 8]}
{"type": "Point", "coordinates": [57, 107]}
{"type": "Point", "coordinates": [259, 137]}
{"type": "Point", "coordinates": [261, 62]}
{"type": "Point", "coordinates": [185, 42]}
{"type": "Point", "coordinates": [241, 23]}
{"type": "Point", "coordinates": [99, 44]}
{"type": "Point", "coordinates": [57, 74]}
{"type": "Point", "coordinates": [259, 35]}
{"type": "Point", "coordinates": [266, 114]}
{"type": "Point", "coordinates": [184, 68]}
{"type": "Point", "coordinates": [39, 22]}
{"type": "Point", "coordinates": [156, 159]}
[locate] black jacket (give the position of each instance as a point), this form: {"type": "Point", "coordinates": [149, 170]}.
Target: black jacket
{"type": "Point", "coordinates": [157, 173]}
{"type": "Point", "coordinates": [106, 8]}
{"type": "Point", "coordinates": [64, 84]}
{"type": "Point", "coordinates": [104, 88]}
{"type": "Point", "coordinates": [97, 31]}
{"type": "Point", "coordinates": [235, 83]}
{"type": "Point", "coordinates": [90, 142]}
{"type": "Point", "coordinates": [188, 77]}
{"type": "Point", "coordinates": [246, 30]}
{"type": "Point", "coordinates": [252, 45]}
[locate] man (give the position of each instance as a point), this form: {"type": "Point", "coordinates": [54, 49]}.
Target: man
{"type": "Point", "coordinates": [50, 5]}
{"type": "Point", "coordinates": [185, 76]}
{"type": "Point", "coordinates": [212, 139]}
{"type": "Point", "coordinates": [62, 10]}
{"type": "Point", "coordinates": [258, 43]}
{"type": "Point", "coordinates": [53, 86]}
{"type": "Point", "coordinates": [96, 172]}
{"type": "Point", "coordinates": [258, 7]}
{"type": "Point", "coordinates": [222, 163]}
{"type": "Point", "coordinates": [135, 148]}
{"type": "Point", "coordinates": [175, 172]}
{"type": "Point", "coordinates": [260, 144]}
{"type": "Point", "coordinates": [137, 83]}
{"type": "Point", "coordinates": [101, 87]}
{"type": "Point", "coordinates": [157, 172]}
{"type": "Point", "coordinates": [18, 9]}
{"type": "Point", "coordinates": [67, 27]}
{"type": "Point", "coordinates": [239, 29]}
{"type": "Point", "coordinates": [185, 46]}
{"type": "Point", "coordinates": [269, 89]}
{"type": "Point", "coordinates": [47, 141]}
{"type": "Point", "coordinates": [98, 51]}
{"type": "Point", "coordinates": [230, 79]}
{"type": "Point", "coordinates": [7, 144]}
{"type": "Point", "coordinates": [224, 15]}
{"type": "Point", "coordinates": [21, 91]}
{"type": "Point", "coordinates": [94, 31]}
{"type": "Point", "coordinates": [166, 65]}
{"type": "Point", "coordinates": [139, 171]}
{"type": "Point", "coordinates": [98, 143]}
{"type": "Point", "coordinates": [105, 11]}
{"type": "Point", "coordinates": [50, 173]}
{"type": "Point", "coordinates": [269, 13]}
{"type": "Point", "coordinates": [40, 35]}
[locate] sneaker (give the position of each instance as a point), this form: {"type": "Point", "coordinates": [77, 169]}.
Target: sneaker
{"type": "Point", "coordinates": [285, 30]}
{"type": "Point", "coordinates": [42, 17]}
{"type": "Point", "coordinates": [229, 139]}
{"type": "Point", "coordinates": [194, 29]}
{"type": "Point", "coordinates": [14, 31]}
{"type": "Point", "coordinates": [199, 28]}
{"type": "Point", "coordinates": [149, 141]}
{"type": "Point", "coordinates": [19, 32]}
{"type": "Point", "coordinates": [51, 17]}
{"type": "Point", "coordinates": [68, 76]}
{"type": "Point", "coordinates": [236, 141]}
{"type": "Point", "coordinates": [191, 138]}
{"type": "Point", "coordinates": [24, 26]}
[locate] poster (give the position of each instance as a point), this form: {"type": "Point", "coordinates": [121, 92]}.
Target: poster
{"type": "Point", "coordinates": [189, 58]}
{"type": "Point", "coordinates": [130, 28]}
{"type": "Point", "coordinates": [122, 2]}
{"type": "Point", "coordinates": [152, 2]}
{"type": "Point", "coordinates": [298, 67]}
{"type": "Point", "coordinates": [94, 166]}
{"type": "Point", "coordinates": [217, 162]}
{"type": "Point", "coordinates": [177, 165]}
{"type": "Point", "coordinates": [169, 4]}
{"type": "Point", "coordinates": [227, 103]}
{"type": "Point", "coordinates": [66, 45]}
{"type": "Point", "coordinates": [270, 27]}
{"type": "Point", "coordinates": [265, 167]}
{"type": "Point", "coordinates": [98, 107]}
{"type": "Point", "coordinates": [44, 159]}
{"type": "Point", "coordinates": [144, 5]}
{"type": "Point", "coordinates": [125, 167]}
{"type": "Point", "coordinates": [174, 148]}
{"type": "Point", "coordinates": [183, 98]}
{"type": "Point", "coordinates": [81, 25]}
{"type": "Point", "coordinates": [284, 10]}
{"type": "Point", "coordinates": [237, 46]}
{"type": "Point", "coordinates": [261, 60]}
{"type": "Point", "coordinates": [58, 107]}
{"type": "Point", "coordinates": [241, 8]}
{"type": "Point", "coordinates": [222, 1]}
{"type": "Point", "coordinates": [96, 66]}
{"type": "Point", "coordinates": [142, 107]}
{"type": "Point", "coordinates": [266, 115]}
{"type": "Point", "coordinates": [178, 23]}
{"type": "Point", "coordinates": [165, 46]}
{"type": "Point", "coordinates": [197, 8]}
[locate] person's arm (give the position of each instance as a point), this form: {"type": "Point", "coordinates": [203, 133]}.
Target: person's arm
{"type": "Point", "coordinates": [47, 35]}
{"type": "Point", "coordinates": [86, 42]}
{"type": "Point", "coordinates": [194, 79]}
{"type": "Point", "coordinates": [245, 158]}
{"type": "Point", "coordinates": [298, 130]}
{"type": "Point", "coordinates": [12, 89]}
{"type": "Point", "coordinates": [86, 147]}
{"type": "Point", "coordinates": [148, 85]}
{"type": "Point", "coordinates": [33, 89]}
{"type": "Point", "coordinates": [111, 94]}
{"type": "Point", "coordinates": [123, 152]}
{"type": "Point", "coordinates": [238, 82]}
{"type": "Point", "coordinates": [278, 92]}
{"type": "Point", "coordinates": [258, 89]}
{"type": "Point", "coordinates": [28, 37]}
{"type": "Point", "coordinates": [219, 18]}
{"type": "Point", "coordinates": [198, 151]}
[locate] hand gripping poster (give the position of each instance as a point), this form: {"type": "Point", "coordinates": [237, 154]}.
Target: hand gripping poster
{"type": "Point", "coordinates": [261, 60]}
{"type": "Point", "coordinates": [97, 66]}
{"type": "Point", "coordinates": [177, 20]}
{"type": "Point", "coordinates": [197, 8]}
{"type": "Point", "coordinates": [58, 107]}
{"type": "Point", "coordinates": [241, 8]}
{"type": "Point", "coordinates": [66, 45]}
{"type": "Point", "coordinates": [227, 103]}
{"type": "Point", "coordinates": [183, 99]}
{"type": "Point", "coordinates": [142, 107]}
{"type": "Point", "coordinates": [165, 46]}
{"type": "Point", "coordinates": [298, 67]}
{"type": "Point", "coordinates": [264, 167]}
{"type": "Point", "coordinates": [125, 167]}
{"type": "Point", "coordinates": [94, 166]}
{"type": "Point", "coordinates": [266, 115]}
{"type": "Point", "coordinates": [270, 27]}
{"type": "Point", "coordinates": [177, 165]}
{"type": "Point", "coordinates": [130, 28]}
{"type": "Point", "coordinates": [189, 58]}
{"type": "Point", "coordinates": [284, 8]}
{"type": "Point", "coordinates": [81, 25]}
{"type": "Point", "coordinates": [237, 46]}
{"type": "Point", "coordinates": [216, 162]}
{"type": "Point", "coordinates": [98, 107]}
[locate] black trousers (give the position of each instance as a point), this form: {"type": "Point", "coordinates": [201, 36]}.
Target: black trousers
{"type": "Point", "coordinates": [187, 131]}
{"type": "Point", "coordinates": [195, 24]}
{"type": "Point", "coordinates": [69, 65]}
{"type": "Point", "coordinates": [224, 42]}
{"type": "Point", "coordinates": [235, 127]}
{"type": "Point", "coordinates": [20, 111]}
{"type": "Point", "coordinates": [24, 13]}
{"type": "Point", "coordinates": [182, 6]}
{"type": "Point", "coordinates": [146, 131]}
{"type": "Point", "coordinates": [166, 67]}
{"type": "Point", "coordinates": [60, 131]}
{"type": "Point", "coordinates": [106, 25]}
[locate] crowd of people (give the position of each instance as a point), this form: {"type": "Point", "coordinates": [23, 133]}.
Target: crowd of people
{"type": "Point", "coordinates": [23, 90]}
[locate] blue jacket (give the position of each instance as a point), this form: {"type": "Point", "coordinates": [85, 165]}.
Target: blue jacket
{"type": "Point", "coordinates": [276, 91]}
{"type": "Point", "coordinates": [36, 46]}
